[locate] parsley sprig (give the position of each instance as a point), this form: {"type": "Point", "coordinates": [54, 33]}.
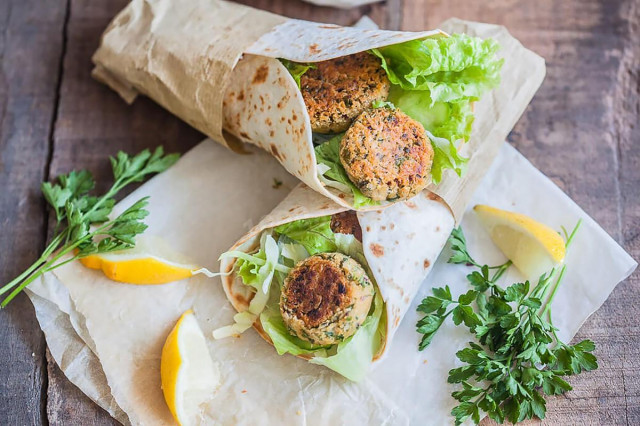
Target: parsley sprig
{"type": "Point", "coordinates": [517, 353]}
{"type": "Point", "coordinates": [83, 226]}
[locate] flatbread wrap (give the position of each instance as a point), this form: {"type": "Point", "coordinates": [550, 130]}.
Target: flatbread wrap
{"type": "Point", "coordinates": [365, 117]}
{"type": "Point", "coordinates": [331, 285]}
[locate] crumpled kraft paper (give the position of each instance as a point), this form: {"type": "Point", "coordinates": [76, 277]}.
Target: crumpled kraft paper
{"type": "Point", "coordinates": [197, 75]}
{"type": "Point", "coordinates": [342, 4]}
{"type": "Point", "coordinates": [125, 325]}
{"type": "Point", "coordinates": [403, 388]}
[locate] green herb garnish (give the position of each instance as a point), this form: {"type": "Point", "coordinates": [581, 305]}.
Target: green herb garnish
{"type": "Point", "coordinates": [518, 354]}
{"type": "Point", "coordinates": [83, 226]}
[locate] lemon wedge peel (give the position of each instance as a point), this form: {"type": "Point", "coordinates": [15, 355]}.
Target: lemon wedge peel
{"type": "Point", "coordinates": [143, 270]}
{"type": "Point", "coordinates": [151, 261]}
{"type": "Point", "coordinates": [189, 376]}
{"type": "Point", "coordinates": [533, 247]}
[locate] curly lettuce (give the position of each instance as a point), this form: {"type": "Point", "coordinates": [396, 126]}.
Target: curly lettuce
{"type": "Point", "coordinates": [459, 67]}
{"type": "Point", "coordinates": [435, 81]}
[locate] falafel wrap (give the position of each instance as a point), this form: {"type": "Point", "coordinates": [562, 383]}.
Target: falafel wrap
{"type": "Point", "coordinates": [331, 285]}
{"type": "Point", "coordinates": [364, 117]}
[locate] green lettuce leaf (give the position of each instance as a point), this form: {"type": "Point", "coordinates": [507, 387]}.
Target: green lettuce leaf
{"type": "Point", "coordinates": [296, 69]}
{"type": "Point", "coordinates": [446, 124]}
{"type": "Point", "coordinates": [328, 154]}
{"type": "Point", "coordinates": [353, 356]}
{"type": "Point", "coordinates": [448, 120]}
{"type": "Point", "coordinates": [283, 341]}
{"type": "Point", "coordinates": [445, 156]}
{"type": "Point", "coordinates": [314, 234]}
{"type": "Point", "coordinates": [450, 68]}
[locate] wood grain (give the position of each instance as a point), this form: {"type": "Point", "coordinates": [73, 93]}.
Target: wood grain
{"type": "Point", "coordinates": [30, 50]}
{"type": "Point", "coordinates": [581, 130]}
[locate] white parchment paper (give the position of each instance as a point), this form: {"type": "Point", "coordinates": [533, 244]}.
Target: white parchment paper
{"type": "Point", "coordinates": [107, 336]}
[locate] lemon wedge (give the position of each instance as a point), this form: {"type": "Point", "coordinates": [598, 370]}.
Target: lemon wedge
{"type": "Point", "coordinates": [151, 261]}
{"type": "Point", "coordinates": [189, 376]}
{"type": "Point", "coordinates": [534, 248]}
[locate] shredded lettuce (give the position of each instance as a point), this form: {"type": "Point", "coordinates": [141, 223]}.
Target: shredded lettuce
{"type": "Point", "coordinates": [287, 245]}
{"type": "Point", "coordinates": [296, 69]}
{"type": "Point", "coordinates": [333, 173]}
{"type": "Point", "coordinates": [348, 244]}
{"type": "Point", "coordinates": [257, 271]}
{"type": "Point", "coordinates": [451, 68]}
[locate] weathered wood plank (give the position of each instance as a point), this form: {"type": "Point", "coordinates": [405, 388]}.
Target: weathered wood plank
{"type": "Point", "coordinates": [589, 47]}
{"type": "Point", "coordinates": [68, 405]}
{"type": "Point", "coordinates": [578, 131]}
{"type": "Point", "coordinates": [93, 123]}
{"type": "Point", "coordinates": [30, 49]}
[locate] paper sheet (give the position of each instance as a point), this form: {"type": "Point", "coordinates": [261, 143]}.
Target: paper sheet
{"type": "Point", "coordinates": [197, 76]}
{"type": "Point", "coordinates": [107, 336]}
{"type": "Point", "coordinates": [342, 4]}
{"type": "Point", "coordinates": [128, 324]}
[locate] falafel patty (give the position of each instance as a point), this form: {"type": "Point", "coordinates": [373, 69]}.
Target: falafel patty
{"type": "Point", "coordinates": [326, 298]}
{"type": "Point", "coordinates": [338, 90]}
{"type": "Point", "coordinates": [387, 154]}
{"type": "Point", "coordinates": [346, 223]}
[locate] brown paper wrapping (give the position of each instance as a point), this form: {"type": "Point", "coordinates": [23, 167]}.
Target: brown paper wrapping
{"type": "Point", "coordinates": [400, 244]}
{"type": "Point", "coordinates": [146, 49]}
{"type": "Point", "coordinates": [180, 54]}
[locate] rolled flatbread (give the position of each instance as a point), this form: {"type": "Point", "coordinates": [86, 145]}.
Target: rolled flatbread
{"type": "Point", "coordinates": [399, 244]}
{"type": "Point", "coordinates": [217, 65]}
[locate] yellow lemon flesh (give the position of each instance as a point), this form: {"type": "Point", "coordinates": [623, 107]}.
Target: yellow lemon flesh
{"type": "Point", "coordinates": [534, 248]}
{"type": "Point", "coordinates": [189, 376]}
{"type": "Point", "coordinates": [151, 261]}
{"type": "Point", "coordinates": [145, 270]}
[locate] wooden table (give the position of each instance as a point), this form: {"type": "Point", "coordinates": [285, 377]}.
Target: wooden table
{"type": "Point", "coordinates": [582, 130]}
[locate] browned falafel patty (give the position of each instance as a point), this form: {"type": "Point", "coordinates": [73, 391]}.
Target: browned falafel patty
{"type": "Point", "coordinates": [337, 90]}
{"type": "Point", "coordinates": [326, 298]}
{"type": "Point", "coordinates": [387, 154]}
{"type": "Point", "coordinates": [347, 223]}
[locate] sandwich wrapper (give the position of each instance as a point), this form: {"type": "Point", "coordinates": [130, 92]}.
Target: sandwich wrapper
{"type": "Point", "coordinates": [107, 337]}
{"type": "Point", "coordinates": [215, 65]}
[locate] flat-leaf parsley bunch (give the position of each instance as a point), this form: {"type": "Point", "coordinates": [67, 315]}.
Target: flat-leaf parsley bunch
{"type": "Point", "coordinates": [83, 226]}
{"type": "Point", "coordinates": [517, 353]}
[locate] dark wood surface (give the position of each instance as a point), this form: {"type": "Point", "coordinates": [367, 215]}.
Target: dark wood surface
{"type": "Point", "coordinates": [582, 130]}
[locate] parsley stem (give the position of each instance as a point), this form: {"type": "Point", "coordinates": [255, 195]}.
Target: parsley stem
{"type": "Point", "coordinates": [53, 245]}
{"type": "Point", "coordinates": [573, 233]}
{"type": "Point", "coordinates": [48, 266]}
{"type": "Point", "coordinates": [547, 306]}
{"type": "Point", "coordinates": [501, 270]}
